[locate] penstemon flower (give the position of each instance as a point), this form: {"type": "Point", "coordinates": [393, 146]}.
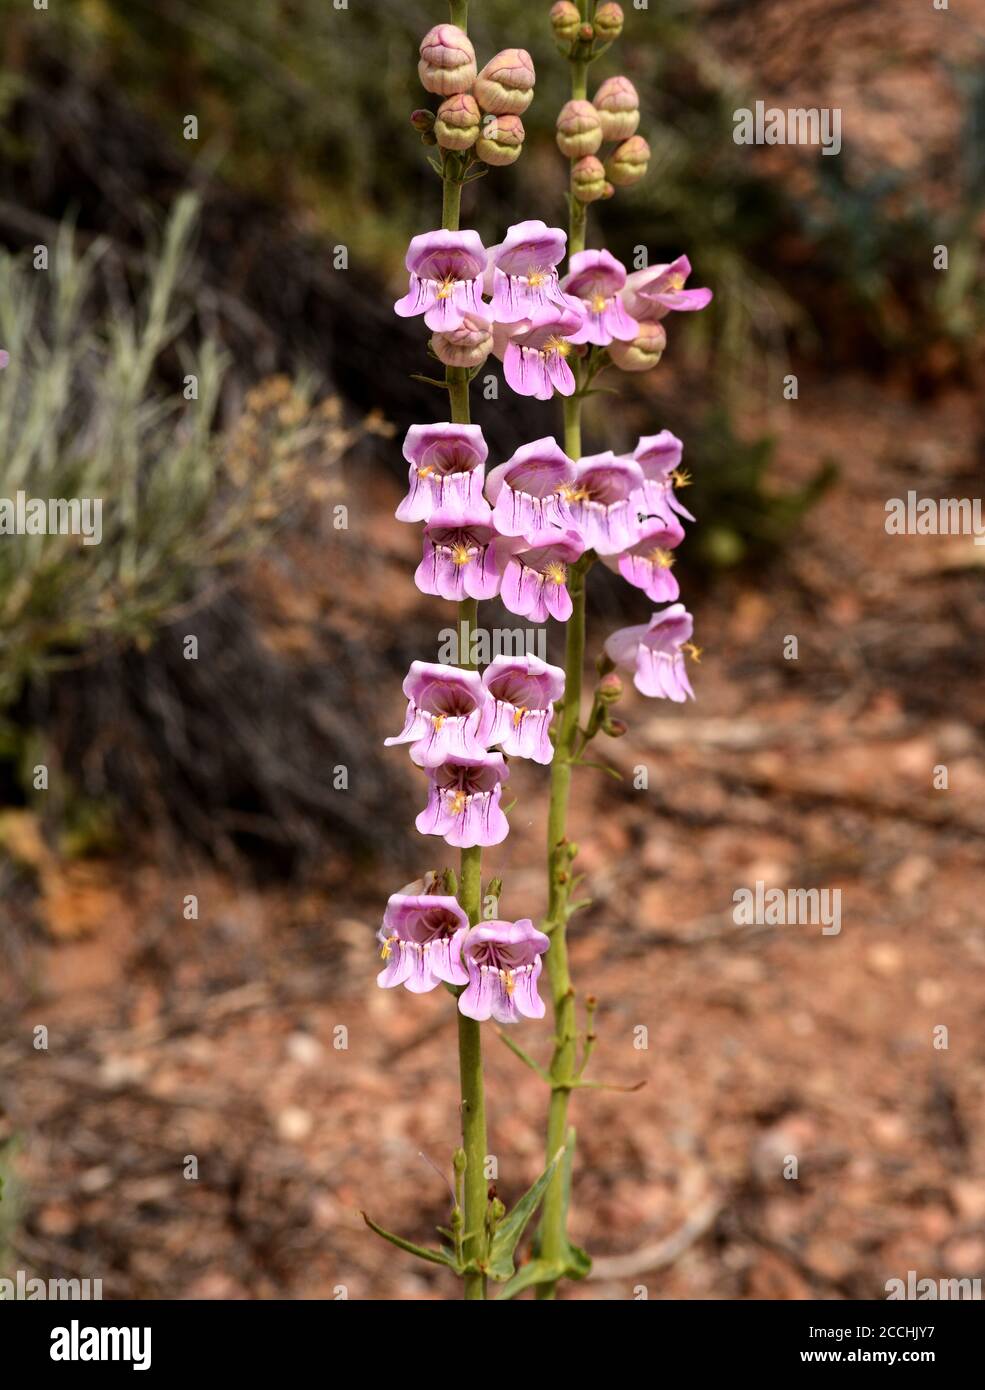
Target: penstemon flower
{"type": "Point", "coordinates": [535, 581]}
{"type": "Point", "coordinates": [535, 351]}
{"type": "Point", "coordinates": [654, 651]}
{"type": "Point", "coordinates": [464, 557]}
{"type": "Point", "coordinates": [650, 294]}
{"type": "Point", "coordinates": [449, 713]}
{"type": "Point", "coordinates": [421, 942]}
{"type": "Point", "coordinates": [463, 801]}
{"type": "Point", "coordinates": [447, 472]}
{"type": "Point", "coordinates": [522, 272]}
{"type": "Point", "coordinates": [597, 279]}
{"type": "Point", "coordinates": [503, 961]}
{"type": "Point", "coordinates": [647, 565]}
{"type": "Point", "coordinates": [603, 502]}
{"type": "Point", "coordinates": [445, 279]}
{"type": "Point", "coordinates": [525, 489]}
{"type": "Point", "coordinates": [659, 457]}
{"type": "Point", "coordinates": [524, 689]}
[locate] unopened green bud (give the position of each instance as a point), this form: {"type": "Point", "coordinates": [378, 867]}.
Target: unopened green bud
{"type": "Point", "coordinates": [422, 120]}
{"type": "Point", "coordinates": [447, 62]}
{"type": "Point", "coordinates": [615, 728]}
{"type": "Point", "coordinates": [586, 33]}
{"type": "Point", "coordinates": [644, 352]}
{"type": "Point", "coordinates": [458, 122]}
{"type": "Point", "coordinates": [500, 140]}
{"type": "Point", "coordinates": [579, 130]}
{"type": "Point", "coordinates": [609, 20]}
{"type": "Point", "coordinates": [505, 85]}
{"type": "Point", "coordinates": [565, 21]}
{"type": "Point", "coordinates": [588, 179]}
{"type": "Point", "coordinates": [628, 162]}
{"type": "Point", "coordinates": [618, 105]}
{"type": "Point", "coordinates": [459, 1161]}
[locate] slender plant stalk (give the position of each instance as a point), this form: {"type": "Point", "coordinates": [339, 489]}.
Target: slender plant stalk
{"type": "Point", "coordinates": [554, 1221]}
{"type": "Point", "coordinates": [470, 875]}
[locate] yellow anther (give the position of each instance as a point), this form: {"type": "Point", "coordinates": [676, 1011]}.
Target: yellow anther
{"type": "Point", "coordinates": [508, 981]}
{"type": "Point", "coordinates": [536, 279]}
{"type": "Point", "coordinates": [555, 572]}
{"type": "Point", "coordinates": [386, 950]}
{"type": "Point", "coordinates": [661, 558]}
{"type": "Point", "coordinates": [460, 554]}
{"type": "Point", "coordinates": [438, 720]}
{"type": "Point", "coordinates": [518, 714]}
{"type": "Point", "coordinates": [693, 652]}
{"type": "Point", "coordinates": [425, 472]}
{"type": "Point", "coordinates": [681, 477]}
{"type": "Point", "coordinates": [558, 345]}
{"type": "Point", "coordinates": [458, 803]}
{"type": "Point", "coordinates": [445, 288]}
{"type": "Point", "coordinates": [598, 303]}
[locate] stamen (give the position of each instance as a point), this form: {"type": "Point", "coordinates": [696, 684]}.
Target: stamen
{"type": "Point", "coordinates": [555, 572]}
{"type": "Point", "coordinates": [518, 714]}
{"type": "Point", "coordinates": [386, 950]}
{"type": "Point", "coordinates": [598, 303]}
{"type": "Point", "coordinates": [425, 472]}
{"type": "Point", "coordinates": [459, 801]}
{"type": "Point", "coordinates": [460, 554]}
{"type": "Point", "coordinates": [558, 345]}
{"type": "Point", "coordinates": [693, 652]}
{"type": "Point", "coordinates": [681, 477]}
{"type": "Point", "coordinates": [535, 279]}
{"type": "Point", "coordinates": [446, 287]}
{"type": "Point", "coordinates": [661, 558]}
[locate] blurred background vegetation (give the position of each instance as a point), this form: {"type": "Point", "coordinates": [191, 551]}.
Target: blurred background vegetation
{"type": "Point", "coordinates": [215, 258]}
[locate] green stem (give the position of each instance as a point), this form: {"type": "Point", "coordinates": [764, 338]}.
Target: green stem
{"type": "Point", "coordinates": [473, 1098]}
{"type": "Point", "coordinates": [470, 870]}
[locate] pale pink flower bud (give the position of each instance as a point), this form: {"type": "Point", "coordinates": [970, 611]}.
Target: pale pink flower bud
{"type": "Point", "coordinates": [505, 86]}
{"type": "Point", "coordinates": [609, 20]}
{"type": "Point", "coordinates": [628, 162]}
{"type": "Point", "coordinates": [500, 140]}
{"type": "Point", "coordinates": [447, 61]}
{"type": "Point", "coordinates": [565, 21]}
{"type": "Point", "coordinates": [458, 122]}
{"type": "Point", "coordinates": [643, 352]}
{"type": "Point", "coordinates": [618, 106]}
{"type": "Point", "coordinates": [467, 346]}
{"type": "Point", "coordinates": [588, 179]}
{"type": "Point", "coordinates": [579, 129]}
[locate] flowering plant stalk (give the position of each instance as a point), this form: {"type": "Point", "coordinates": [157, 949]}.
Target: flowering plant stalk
{"type": "Point", "coordinates": [529, 531]}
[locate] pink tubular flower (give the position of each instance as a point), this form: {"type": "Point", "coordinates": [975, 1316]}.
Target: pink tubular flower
{"type": "Point", "coordinates": [463, 801]}
{"type": "Point", "coordinates": [534, 353]}
{"type": "Point", "coordinates": [503, 961]}
{"type": "Point", "coordinates": [647, 564]}
{"type": "Point", "coordinates": [524, 689]}
{"type": "Point", "coordinates": [449, 712]}
{"type": "Point", "coordinates": [463, 556]}
{"type": "Point", "coordinates": [445, 279]}
{"type": "Point", "coordinates": [447, 472]}
{"type": "Point", "coordinates": [655, 652]}
{"type": "Point", "coordinates": [651, 294]}
{"type": "Point", "coordinates": [603, 501]}
{"type": "Point", "coordinates": [522, 272]}
{"type": "Point", "coordinates": [421, 941]}
{"type": "Point", "coordinates": [535, 580]}
{"type": "Point", "coordinates": [659, 456]}
{"type": "Point", "coordinates": [524, 489]}
{"type": "Point", "coordinates": [597, 279]}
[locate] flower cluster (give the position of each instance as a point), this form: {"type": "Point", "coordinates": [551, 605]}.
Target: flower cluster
{"type": "Point", "coordinates": [510, 300]}
{"type": "Point", "coordinates": [481, 110]}
{"type": "Point", "coordinates": [426, 940]}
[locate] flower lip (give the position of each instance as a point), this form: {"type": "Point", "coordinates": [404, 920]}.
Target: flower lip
{"type": "Point", "coordinates": [472, 774]}
{"type": "Point", "coordinates": [445, 447]}
{"type": "Point", "coordinates": [441, 255]}
{"type": "Point", "coordinates": [443, 690]}
{"type": "Point", "coordinates": [515, 942]}
{"type": "Point", "coordinates": [658, 454]}
{"type": "Point", "coordinates": [529, 246]}
{"type": "Point", "coordinates": [594, 272]}
{"type": "Point", "coordinates": [525, 682]}
{"type": "Point", "coordinates": [607, 479]}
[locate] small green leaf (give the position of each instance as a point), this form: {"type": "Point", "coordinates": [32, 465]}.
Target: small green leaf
{"type": "Point", "coordinates": [436, 1257]}
{"type": "Point", "coordinates": [534, 1272]}
{"type": "Point", "coordinates": [508, 1233]}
